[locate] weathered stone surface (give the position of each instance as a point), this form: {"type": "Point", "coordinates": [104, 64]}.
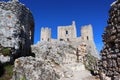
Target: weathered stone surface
{"type": "Point", "coordinates": [47, 64]}
{"type": "Point", "coordinates": [68, 34]}
{"type": "Point", "coordinates": [4, 59]}
{"type": "Point", "coordinates": [111, 37]}
{"type": "Point", "coordinates": [29, 68]}
{"type": "Point", "coordinates": [16, 28]}
{"type": "Point", "coordinates": [53, 61]}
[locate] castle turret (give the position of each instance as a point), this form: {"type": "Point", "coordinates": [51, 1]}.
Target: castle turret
{"type": "Point", "coordinates": [87, 33]}
{"type": "Point", "coordinates": [74, 29]}
{"type": "Point", "coordinates": [45, 34]}
{"type": "Point", "coordinates": [67, 33]}
{"type": "Point", "coordinates": [87, 37]}
{"type": "Point", "coordinates": [15, 0]}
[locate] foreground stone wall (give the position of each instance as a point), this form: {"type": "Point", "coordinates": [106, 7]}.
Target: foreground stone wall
{"type": "Point", "coordinates": [109, 65]}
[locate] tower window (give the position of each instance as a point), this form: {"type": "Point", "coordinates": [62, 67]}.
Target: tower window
{"type": "Point", "coordinates": [66, 32]}
{"type": "Point", "coordinates": [87, 38]}
{"type": "Point", "coordinates": [67, 39]}
{"type": "Point", "coordinates": [61, 39]}
{"type": "Point", "coordinates": [48, 39]}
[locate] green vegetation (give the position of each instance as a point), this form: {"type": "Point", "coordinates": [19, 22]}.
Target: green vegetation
{"type": "Point", "coordinates": [60, 54]}
{"type": "Point", "coordinates": [72, 47]}
{"type": "Point", "coordinates": [8, 72]}
{"type": "Point", "coordinates": [54, 62]}
{"type": "Point", "coordinates": [5, 51]}
{"type": "Point", "coordinates": [23, 78]}
{"type": "Point", "coordinates": [90, 62]}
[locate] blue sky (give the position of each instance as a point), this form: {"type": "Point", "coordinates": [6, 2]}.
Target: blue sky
{"type": "Point", "coordinates": [53, 13]}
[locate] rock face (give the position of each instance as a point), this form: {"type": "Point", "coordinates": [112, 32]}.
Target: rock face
{"type": "Point", "coordinates": [16, 28]}
{"type": "Point", "coordinates": [110, 60]}
{"type": "Point", "coordinates": [53, 61]}
{"type": "Point", "coordinates": [47, 65]}
{"type": "Point", "coordinates": [30, 68]}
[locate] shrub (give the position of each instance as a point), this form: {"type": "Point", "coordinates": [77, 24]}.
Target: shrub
{"type": "Point", "coordinates": [89, 62]}
{"type": "Point", "coordinates": [72, 47]}
{"type": "Point", "coordinates": [8, 72]}
{"type": "Point", "coordinates": [5, 51]}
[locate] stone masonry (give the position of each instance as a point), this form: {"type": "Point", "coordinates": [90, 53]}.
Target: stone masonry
{"type": "Point", "coordinates": [69, 34]}
{"type": "Point", "coordinates": [109, 65]}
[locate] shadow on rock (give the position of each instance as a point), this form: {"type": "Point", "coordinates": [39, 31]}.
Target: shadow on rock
{"type": "Point", "coordinates": [1, 69]}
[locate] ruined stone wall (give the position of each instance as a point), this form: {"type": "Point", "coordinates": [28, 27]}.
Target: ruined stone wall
{"type": "Point", "coordinates": [16, 27]}
{"type": "Point", "coordinates": [67, 33]}
{"type": "Point", "coordinates": [109, 64]}
{"type": "Point", "coordinates": [45, 34]}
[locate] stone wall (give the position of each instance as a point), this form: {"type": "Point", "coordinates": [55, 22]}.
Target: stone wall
{"type": "Point", "coordinates": [45, 34]}
{"type": "Point", "coordinates": [87, 33]}
{"type": "Point", "coordinates": [109, 65]}
{"type": "Point", "coordinates": [67, 33]}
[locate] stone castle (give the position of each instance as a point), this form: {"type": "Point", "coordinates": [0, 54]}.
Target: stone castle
{"type": "Point", "coordinates": [69, 34]}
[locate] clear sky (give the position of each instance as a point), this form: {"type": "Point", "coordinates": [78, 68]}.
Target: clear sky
{"type": "Point", "coordinates": [53, 13]}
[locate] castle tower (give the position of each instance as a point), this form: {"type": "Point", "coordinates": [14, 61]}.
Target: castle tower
{"type": "Point", "coordinates": [67, 33]}
{"type": "Point", "coordinates": [87, 33]}
{"type": "Point", "coordinates": [15, 0]}
{"type": "Point", "coordinates": [45, 34]}
{"type": "Point", "coordinates": [74, 29]}
{"type": "Point", "coordinates": [87, 37]}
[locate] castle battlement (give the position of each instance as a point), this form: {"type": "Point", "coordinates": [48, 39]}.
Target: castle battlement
{"type": "Point", "coordinates": [68, 33]}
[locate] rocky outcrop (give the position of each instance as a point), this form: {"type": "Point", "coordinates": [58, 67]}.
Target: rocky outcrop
{"type": "Point", "coordinates": [30, 68]}
{"type": "Point", "coordinates": [16, 28]}
{"type": "Point", "coordinates": [47, 64]}
{"type": "Point", "coordinates": [52, 61]}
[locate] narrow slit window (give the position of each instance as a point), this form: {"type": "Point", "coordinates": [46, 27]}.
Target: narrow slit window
{"type": "Point", "coordinates": [66, 32]}
{"type": "Point", "coordinates": [87, 38]}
